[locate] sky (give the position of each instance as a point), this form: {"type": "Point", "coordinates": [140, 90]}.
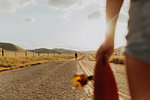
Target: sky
{"type": "Point", "coordinates": [69, 24]}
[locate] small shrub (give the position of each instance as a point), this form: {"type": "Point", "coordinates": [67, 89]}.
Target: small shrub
{"type": "Point", "coordinates": [117, 59]}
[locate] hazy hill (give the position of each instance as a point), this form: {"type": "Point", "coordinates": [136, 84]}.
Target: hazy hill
{"type": "Point", "coordinates": [89, 52]}
{"type": "Point", "coordinates": [11, 47]}
{"type": "Point", "coordinates": [44, 50]}
{"type": "Point", "coordinates": [119, 50]}
{"type": "Point", "coordinates": [64, 50]}
{"type": "Point", "coordinates": [116, 50]}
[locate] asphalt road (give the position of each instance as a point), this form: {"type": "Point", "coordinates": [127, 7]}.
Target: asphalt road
{"type": "Point", "coordinates": [119, 72]}
{"type": "Point", "coordinates": [52, 81]}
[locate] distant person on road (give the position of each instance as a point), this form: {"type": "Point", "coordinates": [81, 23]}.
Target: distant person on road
{"type": "Point", "coordinates": [76, 56]}
{"type": "Point", "coordinates": [137, 52]}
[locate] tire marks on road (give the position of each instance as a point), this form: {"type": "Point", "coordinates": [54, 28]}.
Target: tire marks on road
{"type": "Point", "coordinates": [88, 70]}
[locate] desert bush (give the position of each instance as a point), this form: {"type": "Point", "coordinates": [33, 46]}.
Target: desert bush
{"type": "Point", "coordinates": [117, 59]}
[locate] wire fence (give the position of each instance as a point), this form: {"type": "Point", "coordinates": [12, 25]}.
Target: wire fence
{"type": "Point", "coordinates": [6, 53]}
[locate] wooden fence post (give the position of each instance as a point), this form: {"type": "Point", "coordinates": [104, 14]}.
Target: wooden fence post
{"type": "Point", "coordinates": [26, 53]}
{"type": "Point", "coordinates": [2, 52]}
{"type": "Point", "coordinates": [38, 54]}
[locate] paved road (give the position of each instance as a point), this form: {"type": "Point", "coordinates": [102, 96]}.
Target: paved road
{"type": "Point", "coordinates": [51, 81]}
{"type": "Point", "coordinates": [119, 73]}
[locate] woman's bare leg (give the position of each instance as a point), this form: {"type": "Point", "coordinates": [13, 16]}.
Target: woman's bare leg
{"type": "Point", "coordinates": [138, 73]}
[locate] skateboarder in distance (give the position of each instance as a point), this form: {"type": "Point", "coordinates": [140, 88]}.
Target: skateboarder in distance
{"type": "Point", "coordinates": [76, 56]}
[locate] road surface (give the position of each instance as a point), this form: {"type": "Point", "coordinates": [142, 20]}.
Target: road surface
{"type": "Point", "coordinates": [53, 81]}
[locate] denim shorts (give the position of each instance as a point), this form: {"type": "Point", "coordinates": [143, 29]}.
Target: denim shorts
{"type": "Point", "coordinates": [138, 38]}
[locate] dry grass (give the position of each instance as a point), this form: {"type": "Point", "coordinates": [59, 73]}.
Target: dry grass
{"type": "Point", "coordinates": [14, 62]}
{"type": "Point", "coordinates": [117, 59]}
{"type": "Point", "coordinates": [92, 57]}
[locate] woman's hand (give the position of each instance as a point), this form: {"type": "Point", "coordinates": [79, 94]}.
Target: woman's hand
{"type": "Point", "coordinates": [106, 49]}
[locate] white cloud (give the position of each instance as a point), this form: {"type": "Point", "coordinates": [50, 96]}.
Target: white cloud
{"type": "Point", "coordinates": [62, 4]}
{"type": "Point", "coordinates": [65, 16]}
{"type": "Point", "coordinates": [68, 10]}
{"type": "Point", "coordinates": [12, 5]}
{"type": "Point", "coordinates": [72, 4]}
{"type": "Point", "coordinates": [94, 15]}
{"type": "Point", "coordinates": [87, 10]}
{"type": "Point", "coordinates": [48, 44]}
{"type": "Point", "coordinates": [28, 19]}
{"type": "Point", "coordinates": [126, 5]}
{"type": "Point", "coordinates": [123, 17]}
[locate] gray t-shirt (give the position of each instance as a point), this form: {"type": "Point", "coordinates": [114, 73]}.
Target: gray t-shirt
{"type": "Point", "coordinates": [138, 38]}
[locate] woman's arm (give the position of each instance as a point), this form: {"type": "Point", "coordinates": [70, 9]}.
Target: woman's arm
{"type": "Point", "coordinates": [112, 11]}
{"type": "Point", "coordinates": [104, 83]}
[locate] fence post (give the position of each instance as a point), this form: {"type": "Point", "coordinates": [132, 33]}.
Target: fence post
{"type": "Point", "coordinates": [2, 52]}
{"type": "Point", "coordinates": [38, 54]}
{"type": "Point", "coordinates": [26, 53]}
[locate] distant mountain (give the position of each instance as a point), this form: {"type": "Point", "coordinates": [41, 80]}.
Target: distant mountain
{"type": "Point", "coordinates": [11, 47]}
{"type": "Point", "coordinates": [61, 50]}
{"type": "Point", "coordinates": [89, 52]}
{"type": "Point", "coordinates": [119, 50]}
{"type": "Point", "coordinates": [116, 50]}
{"type": "Point", "coordinates": [44, 50]}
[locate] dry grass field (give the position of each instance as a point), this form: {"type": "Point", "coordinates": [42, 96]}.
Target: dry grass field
{"type": "Point", "coordinates": [115, 58]}
{"type": "Point", "coordinates": [14, 60]}
{"type": "Point", "coordinates": [92, 57]}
